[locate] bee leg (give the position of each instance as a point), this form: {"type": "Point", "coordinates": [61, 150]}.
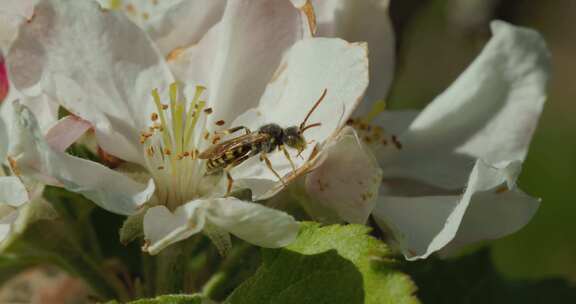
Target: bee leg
{"type": "Point", "coordinates": [233, 130]}
{"type": "Point", "coordinates": [230, 182]}
{"type": "Point", "coordinates": [269, 165]}
{"type": "Point", "coordinates": [285, 151]}
{"type": "Point", "coordinates": [227, 171]}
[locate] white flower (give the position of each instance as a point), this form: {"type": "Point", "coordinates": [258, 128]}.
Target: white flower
{"type": "Point", "coordinates": [449, 172]}
{"type": "Point", "coordinates": [106, 77]}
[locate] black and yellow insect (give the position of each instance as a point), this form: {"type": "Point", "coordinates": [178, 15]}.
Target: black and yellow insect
{"type": "Point", "coordinates": [226, 155]}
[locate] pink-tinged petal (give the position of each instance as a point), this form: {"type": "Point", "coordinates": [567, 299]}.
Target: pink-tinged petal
{"type": "Point", "coordinates": [4, 82]}
{"type": "Point", "coordinates": [105, 76]}
{"type": "Point", "coordinates": [490, 112]}
{"type": "Point", "coordinates": [347, 181]}
{"type": "Point", "coordinates": [490, 207]}
{"type": "Point", "coordinates": [310, 67]}
{"type": "Point", "coordinates": [66, 132]}
{"type": "Point", "coordinates": [362, 21]}
{"type": "Point", "coordinates": [107, 188]}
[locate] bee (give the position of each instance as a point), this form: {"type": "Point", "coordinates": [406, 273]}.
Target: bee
{"type": "Point", "coordinates": [268, 138]}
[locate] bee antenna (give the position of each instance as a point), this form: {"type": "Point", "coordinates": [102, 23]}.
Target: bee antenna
{"type": "Point", "coordinates": [310, 126]}
{"type": "Point", "coordinates": [303, 124]}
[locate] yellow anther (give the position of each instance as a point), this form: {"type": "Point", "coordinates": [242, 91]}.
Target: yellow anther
{"type": "Point", "coordinates": [378, 107]}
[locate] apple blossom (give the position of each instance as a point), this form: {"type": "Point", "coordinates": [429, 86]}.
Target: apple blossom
{"type": "Point", "coordinates": [120, 83]}
{"type": "Point", "coordinates": [449, 172]}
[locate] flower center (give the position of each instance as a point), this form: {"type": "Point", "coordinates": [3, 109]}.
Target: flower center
{"type": "Point", "coordinates": [171, 146]}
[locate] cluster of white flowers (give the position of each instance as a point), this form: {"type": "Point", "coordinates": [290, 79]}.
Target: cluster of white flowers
{"type": "Point", "coordinates": [156, 81]}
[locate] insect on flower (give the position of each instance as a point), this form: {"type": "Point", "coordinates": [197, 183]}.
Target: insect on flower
{"type": "Point", "coordinates": [224, 156]}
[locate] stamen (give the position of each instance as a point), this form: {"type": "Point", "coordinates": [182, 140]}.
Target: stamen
{"type": "Point", "coordinates": [160, 107]}
{"type": "Point", "coordinates": [170, 140]}
{"type": "Point", "coordinates": [378, 107]}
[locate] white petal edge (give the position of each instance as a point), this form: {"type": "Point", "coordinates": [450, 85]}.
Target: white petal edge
{"type": "Point", "coordinates": [163, 228]}
{"type": "Point", "coordinates": [252, 222]}
{"type": "Point", "coordinates": [423, 225]}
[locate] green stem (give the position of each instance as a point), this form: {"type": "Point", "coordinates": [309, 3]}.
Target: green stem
{"type": "Point", "coordinates": [171, 270]}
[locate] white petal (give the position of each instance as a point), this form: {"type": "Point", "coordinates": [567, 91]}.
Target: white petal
{"type": "Point", "coordinates": [105, 76]}
{"type": "Point", "coordinates": [66, 132]}
{"type": "Point", "coordinates": [362, 21]}
{"type": "Point", "coordinates": [12, 191]}
{"type": "Point", "coordinates": [163, 228]}
{"type": "Point", "coordinates": [310, 66]}
{"type": "Point", "coordinates": [249, 31]}
{"type": "Point", "coordinates": [348, 179]}
{"type": "Point", "coordinates": [181, 23]}
{"type": "Point", "coordinates": [254, 223]}
{"type": "Point", "coordinates": [107, 188]}
{"type": "Point", "coordinates": [425, 224]}
{"type": "Point", "coordinates": [490, 112]}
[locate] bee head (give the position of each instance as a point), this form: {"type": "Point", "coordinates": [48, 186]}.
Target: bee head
{"type": "Point", "coordinates": [293, 138]}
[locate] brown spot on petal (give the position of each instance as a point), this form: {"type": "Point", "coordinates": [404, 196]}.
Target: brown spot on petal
{"type": "Point", "coordinates": [220, 122]}
{"type": "Point", "coordinates": [502, 189]}
{"type": "Point", "coordinates": [175, 53]}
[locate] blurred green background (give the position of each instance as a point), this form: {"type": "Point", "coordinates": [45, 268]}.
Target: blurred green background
{"type": "Point", "coordinates": [437, 39]}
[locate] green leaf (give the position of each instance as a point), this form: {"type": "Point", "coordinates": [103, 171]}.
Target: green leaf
{"type": "Point", "coordinates": [332, 264]}
{"type": "Point", "coordinates": [171, 299]}
{"type": "Point", "coordinates": [473, 279]}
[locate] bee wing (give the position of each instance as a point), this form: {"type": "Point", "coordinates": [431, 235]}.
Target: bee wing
{"type": "Point", "coordinates": [220, 149]}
